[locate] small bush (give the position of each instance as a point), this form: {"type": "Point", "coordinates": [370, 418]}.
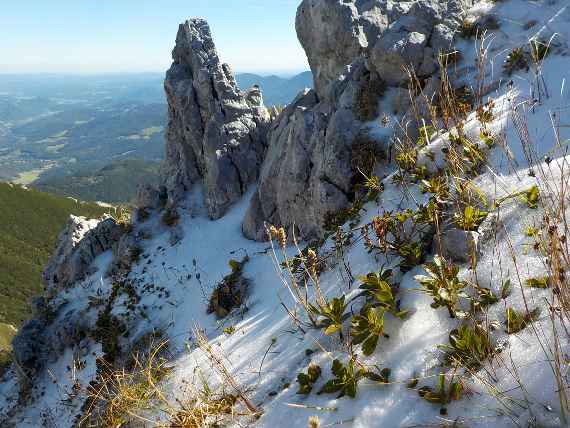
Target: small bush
{"type": "Point", "coordinates": [470, 218]}
{"type": "Point", "coordinates": [442, 284]}
{"type": "Point", "coordinates": [516, 60]}
{"type": "Point", "coordinates": [230, 292]}
{"type": "Point", "coordinates": [306, 381]}
{"type": "Point", "coordinates": [516, 322]}
{"type": "Point", "coordinates": [170, 217]}
{"type": "Point", "coordinates": [332, 315]}
{"type": "Point", "coordinates": [443, 394]}
{"type": "Point", "coordinates": [468, 346]}
{"type": "Point", "coordinates": [345, 380]}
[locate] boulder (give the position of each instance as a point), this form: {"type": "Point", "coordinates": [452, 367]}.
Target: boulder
{"type": "Point", "coordinates": [392, 34]}
{"type": "Point", "coordinates": [332, 36]}
{"type": "Point", "coordinates": [457, 245]}
{"type": "Point", "coordinates": [78, 245]}
{"type": "Point", "coordinates": [147, 198]}
{"type": "Point", "coordinates": [216, 132]}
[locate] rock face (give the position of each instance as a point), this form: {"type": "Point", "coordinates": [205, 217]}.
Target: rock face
{"type": "Point", "coordinates": [307, 172]}
{"type": "Point", "coordinates": [79, 244]}
{"type": "Point", "coordinates": [392, 34]}
{"type": "Point", "coordinates": [216, 133]}
{"type": "Point", "coordinates": [356, 49]}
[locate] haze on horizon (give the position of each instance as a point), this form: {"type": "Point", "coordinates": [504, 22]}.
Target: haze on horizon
{"type": "Point", "coordinates": [128, 36]}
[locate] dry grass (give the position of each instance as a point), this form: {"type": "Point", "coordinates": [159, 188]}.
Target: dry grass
{"type": "Point", "coordinates": [218, 363]}
{"type": "Point", "coordinates": [122, 396]}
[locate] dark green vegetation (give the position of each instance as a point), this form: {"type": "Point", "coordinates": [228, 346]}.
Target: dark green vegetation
{"type": "Point", "coordinates": [30, 222]}
{"type": "Point", "coordinates": [113, 183]}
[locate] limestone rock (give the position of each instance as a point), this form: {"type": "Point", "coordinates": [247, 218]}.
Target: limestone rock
{"type": "Point", "coordinates": [147, 197]}
{"type": "Point", "coordinates": [308, 169]}
{"type": "Point", "coordinates": [332, 37]}
{"type": "Point", "coordinates": [29, 346]}
{"type": "Point", "coordinates": [216, 133]}
{"type": "Point", "coordinates": [391, 33]}
{"type": "Point", "coordinates": [78, 245]}
{"type": "Point", "coordinates": [457, 245]}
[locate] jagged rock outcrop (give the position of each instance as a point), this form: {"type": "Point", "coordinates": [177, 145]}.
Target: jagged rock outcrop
{"type": "Point", "coordinates": [216, 133]}
{"type": "Point", "coordinates": [308, 172]}
{"type": "Point", "coordinates": [78, 245]}
{"type": "Point", "coordinates": [355, 49]}
{"type": "Point", "coordinates": [392, 34]}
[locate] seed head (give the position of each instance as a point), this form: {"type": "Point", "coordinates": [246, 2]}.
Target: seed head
{"type": "Point", "coordinates": [314, 422]}
{"type": "Point", "coordinates": [273, 232]}
{"type": "Point", "coordinates": [282, 237]}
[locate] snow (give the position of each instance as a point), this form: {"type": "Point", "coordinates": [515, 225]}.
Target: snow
{"type": "Point", "coordinates": [181, 266]}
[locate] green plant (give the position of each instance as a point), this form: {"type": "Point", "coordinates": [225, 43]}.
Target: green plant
{"type": "Point", "coordinates": [468, 346]}
{"type": "Point", "coordinates": [470, 218]}
{"type": "Point", "coordinates": [228, 331]}
{"type": "Point", "coordinates": [332, 314]}
{"type": "Point", "coordinates": [307, 380]}
{"type": "Point", "coordinates": [412, 255]}
{"type": "Point", "coordinates": [429, 213]}
{"type": "Point", "coordinates": [506, 289]}
{"type": "Point", "coordinates": [531, 232]}
{"type": "Point", "coordinates": [531, 197]}
{"type": "Point", "coordinates": [442, 395]}
{"type": "Point", "coordinates": [442, 284]}
{"type": "Point", "coordinates": [515, 60]}
{"type": "Point", "coordinates": [367, 329]}
{"type": "Point", "coordinates": [373, 187]}
{"type": "Point", "coordinates": [485, 113]}
{"type": "Point", "coordinates": [379, 293]}
{"type": "Point", "coordinates": [515, 321]}
{"type": "Point", "coordinates": [230, 292]}
{"type": "Point", "coordinates": [406, 158]}
{"type": "Point", "coordinates": [485, 297]}
{"type": "Point", "coordinates": [437, 185]}
{"type": "Point", "coordinates": [474, 155]}
{"type": "Point", "coordinates": [540, 282]}
{"type": "Point", "coordinates": [345, 380]}
{"type": "Point", "coordinates": [334, 219]}
{"type": "Point", "coordinates": [380, 298]}
{"type": "Point", "coordinates": [487, 138]}
{"type": "Point", "coordinates": [426, 134]}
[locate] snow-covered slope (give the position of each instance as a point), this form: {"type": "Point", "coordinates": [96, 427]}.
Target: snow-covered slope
{"type": "Point", "coordinates": [264, 350]}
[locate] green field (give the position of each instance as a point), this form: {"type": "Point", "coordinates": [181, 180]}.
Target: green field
{"type": "Point", "coordinates": [115, 183]}
{"type": "Point", "coordinates": [7, 331]}
{"type": "Point", "coordinates": [30, 222]}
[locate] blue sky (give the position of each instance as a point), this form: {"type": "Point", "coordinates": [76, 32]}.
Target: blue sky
{"type": "Point", "coordinates": [93, 36]}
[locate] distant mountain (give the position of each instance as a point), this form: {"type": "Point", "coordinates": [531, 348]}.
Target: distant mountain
{"type": "Point", "coordinates": [116, 182]}
{"type": "Point", "coordinates": [276, 90]}
{"type": "Point", "coordinates": [29, 226]}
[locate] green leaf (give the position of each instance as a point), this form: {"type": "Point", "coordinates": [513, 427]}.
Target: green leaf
{"type": "Point", "coordinates": [330, 387]}
{"type": "Point", "coordinates": [332, 329]}
{"type": "Point", "coordinates": [542, 282]}
{"type": "Point", "coordinates": [506, 289]}
{"type": "Point", "coordinates": [369, 345]}
{"type": "Point", "coordinates": [338, 368]}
